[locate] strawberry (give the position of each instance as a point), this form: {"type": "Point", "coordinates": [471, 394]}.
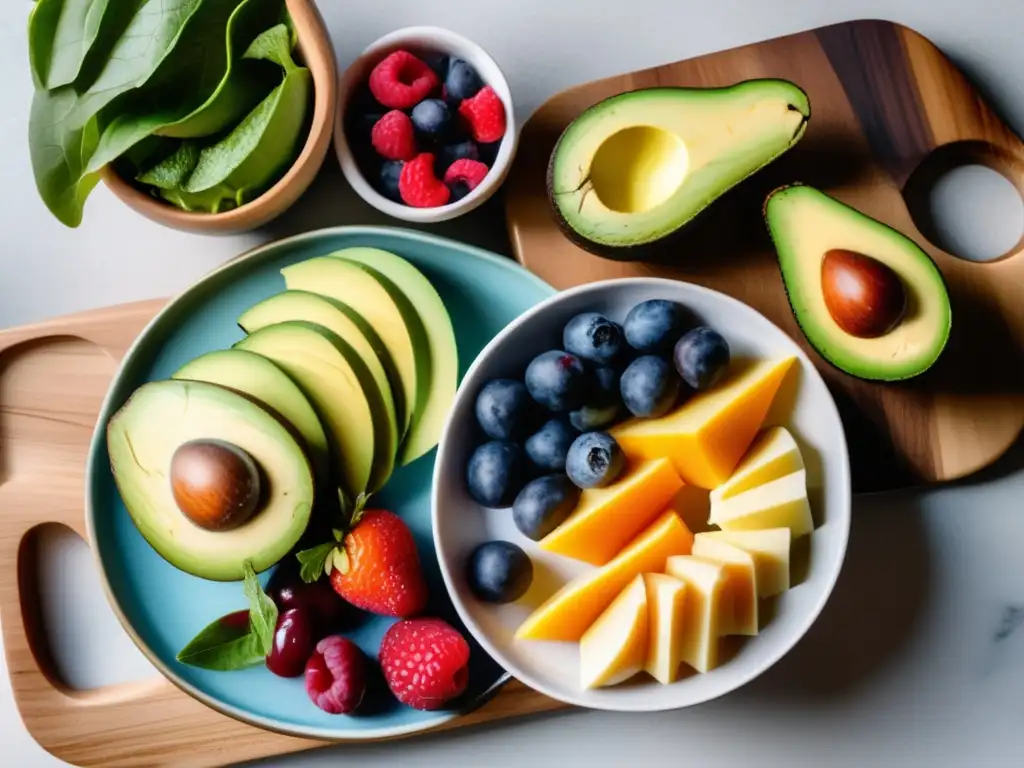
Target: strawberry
{"type": "Point", "coordinates": [425, 662]}
{"type": "Point", "coordinates": [374, 565]}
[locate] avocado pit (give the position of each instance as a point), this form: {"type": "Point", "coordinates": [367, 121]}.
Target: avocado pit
{"type": "Point", "coordinates": [864, 296]}
{"type": "Point", "coordinates": [215, 484]}
{"type": "Point", "coordinates": [638, 168]}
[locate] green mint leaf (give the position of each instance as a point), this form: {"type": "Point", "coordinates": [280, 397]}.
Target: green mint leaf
{"type": "Point", "coordinates": [262, 611]}
{"type": "Point", "coordinates": [313, 561]}
{"type": "Point", "coordinates": [223, 645]}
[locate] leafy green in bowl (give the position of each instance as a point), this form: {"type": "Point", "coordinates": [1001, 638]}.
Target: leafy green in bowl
{"type": "Point", "coordinates": [200, 103]}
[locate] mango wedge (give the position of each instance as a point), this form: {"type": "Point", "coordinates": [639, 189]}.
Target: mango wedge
{"type": "Point", "coordinates": [606, 519]}
{"type": "Point", "coordinates": [707, 436]}
{"type": "Point", "coordinates": [568, 613]}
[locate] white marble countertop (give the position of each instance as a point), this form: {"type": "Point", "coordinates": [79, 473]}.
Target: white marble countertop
{"type": "Point", "coordinates": [918, 659]}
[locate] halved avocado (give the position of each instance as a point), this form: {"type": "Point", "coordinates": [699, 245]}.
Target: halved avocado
{"type": "Point", "coordinates": [636, 167]}
{"type": "Point", "coordinates": [410, 287]}
{"type": "Point", "coordinates": [142, 438]}
{"type": "Point", "coordinates": [395, 320]}
{"type": "Point", "coordinates": [257, 377]}
{"type": "Point", "coordinates": [345, 395]}
{"type": "Point", "coordinates": [811, 231]}
{"type": "Point", "coordinates": [349, 325]}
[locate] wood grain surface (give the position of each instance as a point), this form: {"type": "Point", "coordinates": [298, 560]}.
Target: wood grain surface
{"type": "Point", "coordinates": [53, 378]}
{"type": "Point", "coordinates": [889, 113]}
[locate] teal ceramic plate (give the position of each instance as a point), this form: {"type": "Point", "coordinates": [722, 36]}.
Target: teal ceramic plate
{"type": "Point", "coordinates": [161, 607]}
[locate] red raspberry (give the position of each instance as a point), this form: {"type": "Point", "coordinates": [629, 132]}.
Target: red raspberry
{"type": "Point", "coordinates": [418, 185]}
{"type": "Point", "coordinates": [401, 81]}
{"type": "Point", "coordinates": [393, 136]}
{"type": "Point", "coordinates": [425, 662]}
{"type": "Point", "coordinates": [485, 115]}
{"type": "Point", "coordinates": [336, 675]}
{"type": "Point", "coordinates": [469, 172]}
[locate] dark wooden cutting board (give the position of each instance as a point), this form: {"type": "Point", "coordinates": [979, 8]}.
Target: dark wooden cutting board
{"type": "Point", "coordinates": [889, 114]}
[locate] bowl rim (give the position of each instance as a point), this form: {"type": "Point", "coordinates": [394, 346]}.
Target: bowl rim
{"type": "Point", "coordinates": [450, 575]}
{"type": "Point", "coordinates": [107, 408]}
{"type": "Point", "coordinates": [499, 171]}
{"type": "Point", "coordinates": [292, 183]}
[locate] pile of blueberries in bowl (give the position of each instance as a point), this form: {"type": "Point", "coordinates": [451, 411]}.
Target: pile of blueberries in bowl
{"type": "Point", "coordinates": [545, 438]}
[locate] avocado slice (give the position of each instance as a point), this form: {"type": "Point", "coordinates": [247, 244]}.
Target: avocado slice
{"type": "Point", "coordinates": [341, 389]}
{"type": "Point", "coordinates": [141, 440]}
{"type": "Point", "coordinates": [255, 376]}
{"type": "Point", "coordinates": [384, 307]}
{"type": "Point", "coordinates": [303, 305]}
{"type": "Point", "coordinates": [809, 229]}
{"type": "Point", "coordinates": [413, 288]}
{"type": "Point", "coordinates": [636, 167]}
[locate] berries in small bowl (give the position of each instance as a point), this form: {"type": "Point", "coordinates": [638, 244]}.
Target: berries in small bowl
{"type": "Point", "coordinates": [425, 129]}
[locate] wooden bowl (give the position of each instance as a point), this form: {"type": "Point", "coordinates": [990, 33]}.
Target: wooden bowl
{"type": "Point", "coordinates": [317, 53]}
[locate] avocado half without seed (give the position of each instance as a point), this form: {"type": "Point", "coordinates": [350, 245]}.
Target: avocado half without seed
{"type": "Point", "coordinates": [867, 297]}
{"type": "Point", "coordinates": [209, 478]}
{"type": "Point", "coordinates": [637, 167]}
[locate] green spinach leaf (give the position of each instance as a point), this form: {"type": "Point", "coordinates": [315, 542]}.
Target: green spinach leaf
{"type": "Point", "coordinates": [174, 170]}
{"type": "Point", "coordinates": [59, 36]}
{"type": "Point", "coordinates": [264, 143]}
{"type": "Point", "coordinates": [225, 644]}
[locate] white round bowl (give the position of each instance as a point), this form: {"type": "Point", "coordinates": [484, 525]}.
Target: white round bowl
{"type": "Point", "coordinates": [804, 405]}
{"type": "Point", "coordinates": [443, 41]}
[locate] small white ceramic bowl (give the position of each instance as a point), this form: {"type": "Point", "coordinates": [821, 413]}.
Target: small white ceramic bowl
{"type": "Point", "coordinates": [803, 404]}
{"type": "Point", "coordinates": [439, 40]}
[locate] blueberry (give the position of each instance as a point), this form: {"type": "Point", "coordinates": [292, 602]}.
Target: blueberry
{"type": "Point", "coordinates": [649, 386]}
{"type": "Point", "coordinates": [495, 473]}
{"type": "Point", "coordinates": [489, 152]}
{"type": "Point", "coordinates": [499, 572]}
{"type": "Point", "coordinates": [389, 174]}
{"type": "Point", "coordinates": [595, 460]}
{"type": "Point", "coordinates": [654, 325]}
{"type": "Point", "coordinates": [544, 504]}
{"type": "Point", "coordinates": [462, 82]}
{"type": "Point", "coordinates": [547, 447]}
{"type": "Point", "coordinates": [592, 337]}
{"type": "Point", "coordinates": [603, 404]}
{"type": "Point", "coordinates": [449, 153]}
{"type": "Point", "coordinates": [557, 380]}
{"type": "Point", "coordinates": [504, 409]}
{"type": "Point", "coordinates": [458, 191]}
{"type": "Point", "coordinates": [701, 357]}
{"type": "Point", "coordinates": [431, 117]}
{"type": "Point", "coordinates": [438, 62]}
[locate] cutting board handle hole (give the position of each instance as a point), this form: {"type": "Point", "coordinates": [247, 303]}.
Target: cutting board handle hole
{"type": "Point", "coordinates": [967, 198]}
{"type": "Point", "coordinates": [77, 646]}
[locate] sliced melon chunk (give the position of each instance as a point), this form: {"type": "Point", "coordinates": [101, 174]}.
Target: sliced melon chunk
{"type": "Point", "coordinates": [606, 519]}
{"type": "Point", "coordinates": [568, 613]}
{"type": "Point", "coordinates": [770, 550]}
{"type": "Point", "coordinates": [705, 584]}
{"type": "Point", "coordinates": [773, 454]}
{"type": "Point", "coordinates": [708, 435]}
{"type": "Point", "coordinates": [781, 503]}
{"type": "Point", "coordinates": [666, 606]}
{"type": "Point", "coordinates": [739, 613]}
{"type": "Point", "coordinates": [614, 648]}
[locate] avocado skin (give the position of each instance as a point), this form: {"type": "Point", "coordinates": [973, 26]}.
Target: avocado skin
{"type": "Point", "coordinates": [801, 323]}
{"type": "Point", "coordinates": [653, 251]}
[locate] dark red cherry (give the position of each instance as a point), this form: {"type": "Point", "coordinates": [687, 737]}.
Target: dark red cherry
{"type": "Point", "coordinates": [294, 641]}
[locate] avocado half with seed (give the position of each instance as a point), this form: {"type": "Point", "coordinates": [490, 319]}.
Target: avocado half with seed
{"type": "Point", "coordinates": [868, 298]}
{"type": "Point", "coordinates": [637, 167]}
{"type": "Point", "coordinates": [145, 439]}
